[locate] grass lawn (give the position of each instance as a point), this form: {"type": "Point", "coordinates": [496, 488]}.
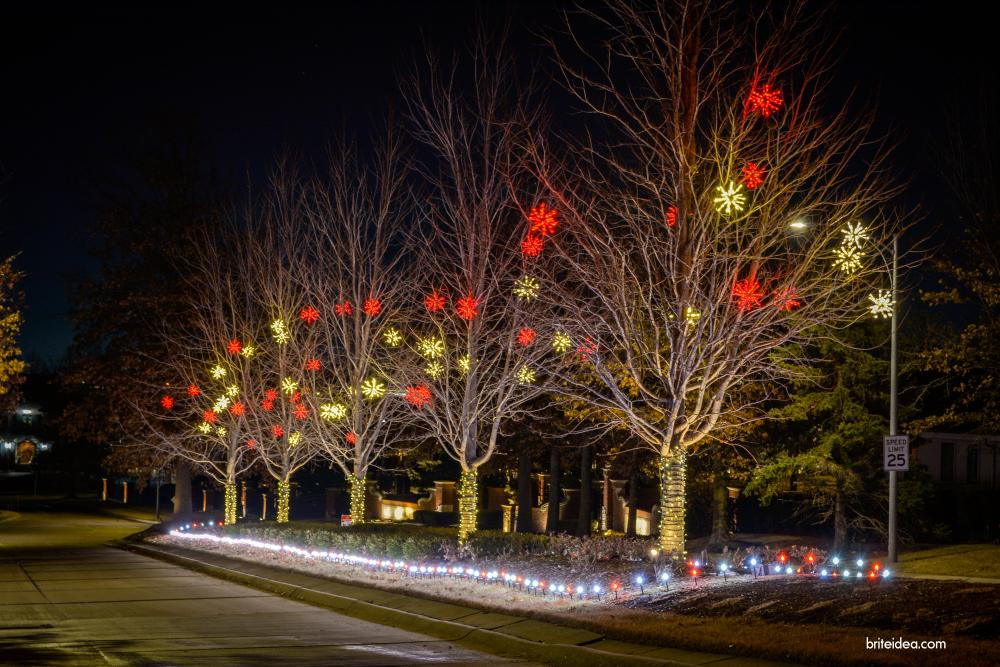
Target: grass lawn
{"type": "Point", "coordinates": [968, 560]}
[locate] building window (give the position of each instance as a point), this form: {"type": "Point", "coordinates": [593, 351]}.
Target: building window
{"type": "Point", "coordinates": [947, 461]}
{"type": "Point", "coordinates": [972, 465]}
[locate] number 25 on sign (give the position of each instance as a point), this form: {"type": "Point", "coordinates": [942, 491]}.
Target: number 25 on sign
{"type": "Point", "coordinates": [897, 452]}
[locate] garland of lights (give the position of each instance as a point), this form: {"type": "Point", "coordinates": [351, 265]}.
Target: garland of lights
{"type": "Point", "coordinates": [229, 504]}
{"type": "Point", "coordinates": [673, 482]}
{"type": "Point", "coordinates": [284, 499]}
{"type": "Point", "coordinates": [357, 487]}
{"type": "Point", "coordinates": [468, 501]}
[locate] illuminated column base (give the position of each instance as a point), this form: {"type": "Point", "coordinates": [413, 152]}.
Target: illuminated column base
{"type": "Point", "coordinates": [284, 498]}
{"type": "Point", "coordinates": [468, 501]}
{"type": "Point", "coordinates": [673, 485]}
{"type": "Point", "coordinates": [229, 506]}
{"type": "Point", "coordinates": [358, 486]}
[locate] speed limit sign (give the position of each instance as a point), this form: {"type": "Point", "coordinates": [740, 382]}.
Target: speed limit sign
{"type": "Point", "coordinates": [897, 452]}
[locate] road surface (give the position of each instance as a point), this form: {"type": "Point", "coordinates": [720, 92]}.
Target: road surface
{"type": "Point", "coordinates": [66, 599]}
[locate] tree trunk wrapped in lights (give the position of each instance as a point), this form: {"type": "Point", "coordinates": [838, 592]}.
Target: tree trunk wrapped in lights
{"type": "Point", "coordinates": [284, 501]}
{"type": "Point", "coordinates": [468, 504]}
{"type": "Point", "coordinates": [229, 504]}
{"type": "Point", "coordinates": [358, 487]}
{"type": "Point", "coordinates": [673, 487]}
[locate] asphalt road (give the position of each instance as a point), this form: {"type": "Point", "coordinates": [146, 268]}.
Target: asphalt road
{"type": "Point", "coordinates": [66, 599]}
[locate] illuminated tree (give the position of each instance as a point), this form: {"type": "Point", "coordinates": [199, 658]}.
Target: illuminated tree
{"type": "Point", "coordinates": [11, 364]}
{"type": "Point", "coordinates": [674, 318]}
{"type": "Point", "coordinates": [468, 353]}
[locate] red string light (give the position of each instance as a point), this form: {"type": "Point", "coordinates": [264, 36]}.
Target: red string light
{"type": "Point", "coordinates": [342, 309]}
{"type": "Point", "coordinates": [270, 394]}
{"type": "Point", "coordinates": [351, 438]}
{"type": "Point", "coordinates": [467, 307]}
{"type": "Point", "coordinates": [434, 302]}
{"type": "Point", "coordinates": [752, 175]}
{"type": "Point", "coordinates": [277, 430]}
{"type": "Point", "coordinates": [267, 405]}
{"type": "Point", "coordinates": [764, 100]}
{"type": "Point", "coordinates": [748, 293]}
{"type": "Point", "coordinates": [209, 416]}
{"type": "Point", "coordinates": [418, 396]}
{"type": "Point", "coordinates": [787, 299]}
{"type": "Point", "coordinates": [251, 443]}
{"type": "Point", "coordinates": [532, 246]}
{"type": "Point", "coordinates": [587, 348]}
{"type": "Point", "coordinates": [193, 390]}
{"type": "Point", "coordinates": [238, 409]}
{"type": "Point", "coordinates": [372, 307]}
{"type": "Point", "coordinates": [526, 336]}
{"type": "Point", "coordinates": [167, 402]}
{"type": "Point", "coordinates": [543, 219]}
{"type": "Point", "coordinates": [312, 365]}
{"type": "Point", "coordinates": [234, 346]}
{"type": "Point", "coordinates": [301, 411]}
{"type": "Point", "coordinates": [671, 216]}
{"type": "Point", "coordinates": [296, 397]}
{"type": "Point", "coordinates": [309, 315]}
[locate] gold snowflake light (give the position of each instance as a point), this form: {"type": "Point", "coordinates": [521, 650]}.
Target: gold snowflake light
{"type": "Point", "coordinates": [294, 437]}
{"type": "Point", "coordinates": [372, 389]}
{"type": "Point", "coordinates": [247, 351]}
{"type": "Point", "coordinates": [434, 370]}
{"type": "Point", "coordinates": [526, 288]}
{"type": "Point", "coordinates": [464, 363]}
{"type": "Point", "coordinates": [731, 198]}
{"type": "Point", "coordinates": [847, 258]}
{"type": "Point", "coordinates": [882, 304]}
{"type": "Point", "coordinates": [525, 375]}
{"type": "Point", "coordinates": [289, 386]}
{"type": "Point", "coordinates": [430, 348]}
{"type": "Point", "coordinates": [561, 343]}
{"type": "Point", "coordinates": [220, 431]}
{"type": "Point", "coordinates": [205, 427]}
{"type": "Point", "coordinates": [691, 316]}
{"type": "Point", "coordinates": [280, 332]}
{"type": "Point", "coordinates": [233, 390]}
{"type": "Point", "coordinates": [392, 337]}
{"type": "Point", "coordinates": [332, 412]}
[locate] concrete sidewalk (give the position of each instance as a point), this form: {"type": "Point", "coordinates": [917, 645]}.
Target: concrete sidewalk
{"type": "Point", "coordinates": [502, 634]}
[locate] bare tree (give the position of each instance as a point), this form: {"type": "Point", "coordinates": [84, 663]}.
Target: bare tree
{"type": "Point", "coordinates": [716, 220]}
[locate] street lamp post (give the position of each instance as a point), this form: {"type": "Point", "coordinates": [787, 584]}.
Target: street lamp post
{"type": "Point", "coordinates": [892, 398]}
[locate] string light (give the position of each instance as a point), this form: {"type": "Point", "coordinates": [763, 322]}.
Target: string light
{"type": "Point", "coordinates": [543, 219]}
{"type": "Point", "coordinates": [882, 303]}
{"type": "Point", "coordinates": [284, 497]}
{"type": "Point", "coordinates": [357, 498]}
{"type": "Point", "coordinates": [752, 175]}
{"type": "Point", "coordinates": [855, 234]}
{"type": "Point", "coordinates": [526, 288]}
{"type": "Point", "coordinates": [748, 293]}
{"type": "Point", "coordinates": [847, 258]}
{"type": "Point", "coordinates": [333, 411]}
{"type": "Point", "coordinates": [430, 348]}
{"type": "Point", "coordinates": [532, 245]}
{"type": "Point", "coordinates": [193, 390]}
{"type": "Point", "coordinates": [312, 364]}
{"type": "Point", "coordinates": [218, 372]}
{"type": "Point", "coordinates": [787, 299]}
{"type": "Point", "coordinates": [561, 342]}
{"type": "Point", "coordinates": [434, 370]}
{"type": "Point", "coordinates": [468, 501]}
{"type": "Point", "coordinates": [434, 302]}
{"type": "Point", "coordinates": [586, 348]}
{"type": "Point", "coordinates": [167, 402]}
{"type": "Point", "coordinates": [525, 375]}
{"type": "Point", "coordinates": [467, 307]}
{"type": "Point", "coordinates": [238, 409]}
{"type": "Point", "coordinates": [229, 505]}
{"type": "Point", "coordinates": [671, 216]}
{"type": "Point", "coordinates": [764, 100]}
{"type": "Point", "coordinates": [418, 396]}
{"type": "Point", "coordinates": [234, 346]}
{"type": "Point", "coordinates": [372, 389]}
{"type": "Point", "coordinates": [526, 336]}
{"type": "Point", "coordinates": [280, 332]}
{"type": "Point", "coordinates": [730, 199]}
{"type": "Point", "coordinates": [392, 337]}
{"type": "Point", "coordinates": [342, 309]}
{"type": "Point", "coordinates": [289, 386]}
{"type": "Point", "coordinates": [372, 307]}
{"type": "Point", "coordinates": [309, 315]}
{"type": "Point", "coordinates": [251, 443]}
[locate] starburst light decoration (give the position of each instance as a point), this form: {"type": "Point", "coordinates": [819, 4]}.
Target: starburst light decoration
{"type": "Point", "coordinates": [193, 390]}
{"type": "Point", "coordinates": [248, 351]}
{"type": "Point", "coordinates": [372, 307]}
{"type": "Point", "coordinates": [787, 299]}
{"type": "Point", "coordinates": [418, 396]}
{"type": "Point", "coordinates": [234, 346]}
{"type": "Point", "coordinates": [532, 245]}
{"type": "Point", "coordinates": [434, 302]}
{"type": "Point", "coordinates": [526, 336]}
{"type": "Point", "coordinates": [691, 316]}
{"type": "Point", "coordinates": [280, 332]}
{"type": "Point", "coordinates": [526, 288]}
{"type": "Point", "coordinates": [430, 348]}
{"type": "Point", "coordinates": [312, 364]}
{"type": "Point", "coordinates": [167, 402]}
{"type": "Point", "coordinates": [855, 235]}
{"type": "Point", "coordinates": [294, 438]}
{"type": "Point", "coordinates": [467, 307]}
{"type": "Point", "coordinates": [764, 100]}
{"type": "Point", "coordinates": [205, 428]}
{"type": "Point", "coordinates": [277, 430]}
{"type": "Point", "coordinates": [434, 370]}
{"type": "Point", "coordinates": [586, 348]}
{"type": "Point", "coordinates": [372, 389]}
{"type": "Point", "coordinates": [332, 412]}
{"type": "Point", "coordinates": [238, 409]}
{"type": "Point", "coordinates": [730, 198]}
{"type": "Point", "coordinates": [561, 342]}
{"type": "Point", "coordinates": [543, 219]}
{"type": "Point", "coordinates": [221, 404]}
{"type": "Point", "coordinates": [209, 417]}
{"type": "Point", "coordinates": [342, 309]}
{"type": "Point", "coordinates": [392, 337]}
{"type": "Point", "coordinates": [289, 386]}
{"type": "Point", "coordinates": [748, 293]}
{"type": "Point", "coordinates": [309, 315]}
{"type": "Point", "coordinates": [218, 372]}
{"type": "Point", "coordinates": [752, 175]}
{"type": "Point", "coordinates": [233, 390]}
{"type": "Point", "coordinates": [464, 363]}
{"type": "Point", "coordinates": [847, 258]}
{"type": "Point", "coordinates": [671, 216]}
{"type": "Point", "coordinates": [301, 411]}
{"type": "Point", "coordinates": [882, 303]}
{"type": "Point", "coordinates": [351, 438]}
{"type": "Point", "coordinates": [525, 375]}
{"type": "Point", "coordinates": [220, 431]}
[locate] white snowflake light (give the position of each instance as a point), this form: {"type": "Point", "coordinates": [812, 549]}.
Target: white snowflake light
{"type": "Point", "coordinates": [332, 411]}
{"type": "Point", "coordinates": [289, 386]}
{"type": "Point", "coordinates": [372, 389]}
{"type": "Point", "coordinates": [526, 288]}
{"type": "Point", "coordinates": [430, 348]}
{"type": "Point", "coordinates": [525, 375]}
{"type": "Point", "coordinates": [731, 198]}
{"type": "Point", "coordinates": [882, 304]}
{"type": "Point", "coordinates": [392, 337]}
{"type": "Point", "coordinates": [434, 370]}
{"type": "Point", "coordinates": [280, 332]}
{"type": "Point", "coordinates": [855, 235]}
{"type": "Point", "coordinates": [218, 372]}
{"type": "Point", "coordinates": [220, 431]}
{"type": "Point", "coordinates": [221, 404]}
{"type": "Point", "coordinates": [847, 258]}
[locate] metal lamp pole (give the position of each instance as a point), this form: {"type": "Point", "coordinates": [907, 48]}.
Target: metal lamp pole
{"type": "Point", "coordinates": [893, 365]}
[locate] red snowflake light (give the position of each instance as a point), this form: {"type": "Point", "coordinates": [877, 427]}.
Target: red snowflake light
{"type": "Point", "coordinates": [167, 402]}
{"type": "Point", "coordinates": [434, 302]}
{"type": "Point", "coordinates": [532, 246]}
{"type": "Point", "coordinates": [764, 99]}
{"type": "Point", "coordinates": [342, 309]}
{"type": "Point", "coordinates": [270, 394]}
{"type": "Point", "coordinates": [587, 348]}
{"type": "Point", "coordinates": [526, 336]}
{"type": "Point", "coordinates": [418, 396]}
{"type": "Point", "coordinates": [267, 405]}
{"type": "Point", "coordinates": [301, 411]}
{"type": "Point", "coordinates": [312, 365]}
{"type": "Point", "coordinates": [238, 409]}
{"type": "Point", "coordinates": [209, 416]}
{"type": "Point", "coordinates": [193, 390]}
{"type": "Point", "coordinates": [277, 430]}
{"type": "Point", "coordinates": [671, 216]}
{"type": "Point", "coordinates": [787, 299]}
{"type": "Point", "coordinates": [251, 443]}
{"type": "Point", "coordinates": [467, 307]}
{"type": "Point", "coordinates": [543, 219]}
{"type": "Point", "coordinates": [372, 307]}
{"type": "Point", "coordinates": [296, 397]}
{"type": "Point", "coordinates": [752, 175]}
{"type": "Point", "coordinates": [309, 315]}
{"type": "Point", "coordinates": [234, 346]}
{"type": "Point", "coordinates": [748, 293]}
{"type": "Point", "coordinates": [352, 438]}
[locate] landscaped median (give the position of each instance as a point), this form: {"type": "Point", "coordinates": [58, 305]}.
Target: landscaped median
{"type": "Point", "coordinates": [423, 572]}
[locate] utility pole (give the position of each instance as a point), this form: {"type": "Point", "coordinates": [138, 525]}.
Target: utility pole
{"type": "Point", "coordinates": [893, 425]}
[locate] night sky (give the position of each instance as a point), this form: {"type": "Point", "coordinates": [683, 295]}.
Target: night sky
{"type": "Point", "coordinates": [80, 89]}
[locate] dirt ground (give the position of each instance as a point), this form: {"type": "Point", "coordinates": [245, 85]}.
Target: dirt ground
{"type": "Point", "coordinates": [927, 607]}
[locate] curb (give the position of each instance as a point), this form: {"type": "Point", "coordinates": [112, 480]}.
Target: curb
{"type": "Point", "coordinates": [461, 630]}
{"type": "Point", "coordinates": [8, 516]}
